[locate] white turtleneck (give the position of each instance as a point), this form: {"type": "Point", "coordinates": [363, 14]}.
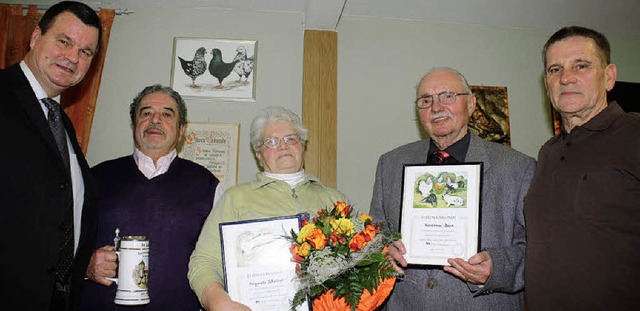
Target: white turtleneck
{"type": "Point", "coordinates": [292, 179]}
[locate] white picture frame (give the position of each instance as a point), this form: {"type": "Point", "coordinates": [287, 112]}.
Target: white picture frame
{"type": "Point", "coordinates": [257, 265]}
{"type": "Point", "coordinates": [440, 217]}
{"type": "Point", "coordinates": [231, 78]}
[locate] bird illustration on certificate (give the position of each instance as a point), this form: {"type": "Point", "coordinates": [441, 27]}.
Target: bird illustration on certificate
{"type": "Point", "coordinates": [214, 68]}
{"type": "Point", "coordinates": [440, 212]}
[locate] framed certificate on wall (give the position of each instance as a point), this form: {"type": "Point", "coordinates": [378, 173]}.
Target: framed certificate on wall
{"type": "Point", "coordinates": [214, 146]}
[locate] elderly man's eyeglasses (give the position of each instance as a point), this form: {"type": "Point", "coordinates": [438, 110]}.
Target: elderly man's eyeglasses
{"type": "Point", "coordinates": [274, 142]}
{"type": "Point", "coordinates": [445, 98]}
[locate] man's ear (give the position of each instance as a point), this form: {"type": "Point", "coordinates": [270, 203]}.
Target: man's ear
{"type": "Point", "coordinates": [35, 35]}
{"type": "Point", "coordinates": [471, 103]}
{"type": "Point", "coordinates": [610, 74]}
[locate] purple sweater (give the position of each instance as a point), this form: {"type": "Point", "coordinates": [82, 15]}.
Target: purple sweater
{"type": "Point", "coordinates": [169, 210]}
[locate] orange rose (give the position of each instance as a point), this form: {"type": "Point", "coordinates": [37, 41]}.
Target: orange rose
{"type": "Point", "coordinates": [357, 242]}
{"type": "Point", "coordinates": [299, 251]}
{"type": "Point", "coordinates": [317, 239]}
{"type": "Point", "coordinates": [370, 231]}
{"type": "Point", "coordinates": [342, 208]}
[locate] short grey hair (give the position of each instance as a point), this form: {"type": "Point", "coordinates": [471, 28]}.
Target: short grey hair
{"type": "Point", "coordinates": [157, 88]}
{"type": "Point", "coordinates": [463, 80]}
{"type": "Point", "coordinates": [273, 114]}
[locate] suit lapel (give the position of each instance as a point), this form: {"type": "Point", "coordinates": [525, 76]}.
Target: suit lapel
{"type": "Point", "coordinates": [477, 152]}
{"type": "Point", "coordinates": [31, 105]}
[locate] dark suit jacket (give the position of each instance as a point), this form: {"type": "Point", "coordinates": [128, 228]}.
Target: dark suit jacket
{"type": "Point", "coordinates": [34, 191]}
{"type": "Point", "coordinates": [505, 181]}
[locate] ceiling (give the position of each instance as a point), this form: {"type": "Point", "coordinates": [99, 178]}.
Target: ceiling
{"type": "Point", "coordinates": [613, 17]}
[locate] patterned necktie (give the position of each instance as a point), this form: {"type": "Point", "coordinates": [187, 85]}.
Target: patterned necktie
{"type": "Point", "coordinates": [63, 266]}
{"type": "Point", "coordinates": [440, 157]}
{"type": "Point", "coordinates": [57, 128]}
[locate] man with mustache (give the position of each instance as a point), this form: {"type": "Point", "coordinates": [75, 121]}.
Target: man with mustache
{"type": "Point", "coordinates": [492, 279]}
{"type": "Point", "coordinates": [47, 199]}
{"type": "Point", "coordinates": [156, 194]}
{"type": "Point", "coordinates": [583, 208]}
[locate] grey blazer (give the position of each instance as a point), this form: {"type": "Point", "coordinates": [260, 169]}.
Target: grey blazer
{"type": "Point", "coordinates": [506, 177]}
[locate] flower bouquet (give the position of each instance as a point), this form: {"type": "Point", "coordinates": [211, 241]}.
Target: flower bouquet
{"type": "Point", "coordinates": [342, 262]}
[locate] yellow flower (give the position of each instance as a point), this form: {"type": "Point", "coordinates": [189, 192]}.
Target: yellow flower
{"type": "Point", "coordinates": [364, 217]}
{"type": "Point", "coordinates": [304, 249]}
{"type": "Point", "coordinates": [342, 226]}
{"type": "Point", "coordinates": [305, 232]}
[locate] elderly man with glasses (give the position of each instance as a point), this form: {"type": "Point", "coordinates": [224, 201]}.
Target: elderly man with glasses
{"type": "Point", "coordinates": [278, 139]}
{"type": "Point", "coordinates": [493, 278]}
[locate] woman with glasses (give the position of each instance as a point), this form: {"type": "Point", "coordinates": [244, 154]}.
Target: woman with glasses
{"type": "Point", "coordinates": [283, 188]}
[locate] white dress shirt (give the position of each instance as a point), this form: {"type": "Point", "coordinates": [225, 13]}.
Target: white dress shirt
{"type": "Point", "coordinates": [77, 182]}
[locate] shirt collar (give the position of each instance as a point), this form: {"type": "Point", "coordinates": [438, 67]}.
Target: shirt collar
{"type": "Point", "coordinates": [35, 85]}
{"type": "Point", "coordinates": [457, 150]}
{"type": "Point", "coordinates": [600, 122]}
{"type": "Point", "coordinates": [146, 166]}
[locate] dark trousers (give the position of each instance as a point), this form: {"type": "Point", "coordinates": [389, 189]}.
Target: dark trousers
{"type": "Point", "coordinates": [60, 297]}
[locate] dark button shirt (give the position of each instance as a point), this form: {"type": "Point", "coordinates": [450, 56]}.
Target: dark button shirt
{"type": "Point", "coordinates": [583, 217]}
{"type": "Point", "coordinates": [457, 150]}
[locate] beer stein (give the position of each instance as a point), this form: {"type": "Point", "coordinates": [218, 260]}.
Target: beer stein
{"type": "Point", "coordinates": [133, 270]}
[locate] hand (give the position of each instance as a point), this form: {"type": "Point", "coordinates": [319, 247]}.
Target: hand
{"type": "Point", "coordinates": [396, 253]}
{"type": "Point", "coordinates": [102, 264]}
{"type": "Point", "coordinates": [214, 298]}
{"type": "Point", "coordinates": [475, 271]}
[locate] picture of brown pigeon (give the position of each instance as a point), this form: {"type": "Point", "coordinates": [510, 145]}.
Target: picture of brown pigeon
{"type": "Point", "coordinates": [196, 67]}
{"type": "Point", "coordinates": [218, 68]}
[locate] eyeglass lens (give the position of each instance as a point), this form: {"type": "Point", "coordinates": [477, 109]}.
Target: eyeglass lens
{"type": "Point", "coordinates": [273, 142]}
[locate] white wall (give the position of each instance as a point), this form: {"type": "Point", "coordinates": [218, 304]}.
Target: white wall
{"type": "Point", "coordinates": [381, 60]}
{"type": "Point", "coordinates": [379, 63]}
{"type": "Point", "coordinates": [140, 54]}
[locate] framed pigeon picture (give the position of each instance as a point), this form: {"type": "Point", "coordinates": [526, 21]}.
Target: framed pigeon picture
{"type": "Point", "coordinates": [214, 68]}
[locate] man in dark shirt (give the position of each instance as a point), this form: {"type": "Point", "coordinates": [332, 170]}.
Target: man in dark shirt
{"type": "Point", "coordinates": [583, 208]}
{"type": "Point", "coordinates": [152, 193]}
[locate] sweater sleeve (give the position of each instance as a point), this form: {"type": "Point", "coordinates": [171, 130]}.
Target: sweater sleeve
{"type": "Point", "coordinates": [205, 264]}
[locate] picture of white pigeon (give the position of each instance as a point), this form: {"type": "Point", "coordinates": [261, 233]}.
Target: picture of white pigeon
{"type": "Point", "coordinates": [452, 185]}
{"type": "Point", "coordinates": [425, 186]}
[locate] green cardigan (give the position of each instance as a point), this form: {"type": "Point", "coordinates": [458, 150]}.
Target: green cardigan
{"type": "Point", "coordinates": [263, 198]}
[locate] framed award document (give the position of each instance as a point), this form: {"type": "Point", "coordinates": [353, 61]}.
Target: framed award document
{"type": "Point", "coordinates": [440, 217]}
{"type": "Point", "coordinates": [258, 270]}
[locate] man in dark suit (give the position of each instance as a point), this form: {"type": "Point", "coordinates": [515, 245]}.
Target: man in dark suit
{"type": "Point", "coordinates": [493, 278]}
{"type": "Point", "coordinates": [47, 209]}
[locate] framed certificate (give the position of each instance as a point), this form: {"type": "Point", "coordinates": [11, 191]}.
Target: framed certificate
{"type": "Point", "coordinates": [214, 146]}
{"type": "Point", "coordinates": [258, 270]}
{"type": "Point", "coordinates": [440, 212]}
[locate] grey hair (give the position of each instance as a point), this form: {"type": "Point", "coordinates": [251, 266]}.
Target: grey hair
{"type": "Point", "coordinates": [157, 88]}
{"type": "Point", "coordinates": [463, 80]}
{"type": "Point", "coordinates": [273, 114]}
